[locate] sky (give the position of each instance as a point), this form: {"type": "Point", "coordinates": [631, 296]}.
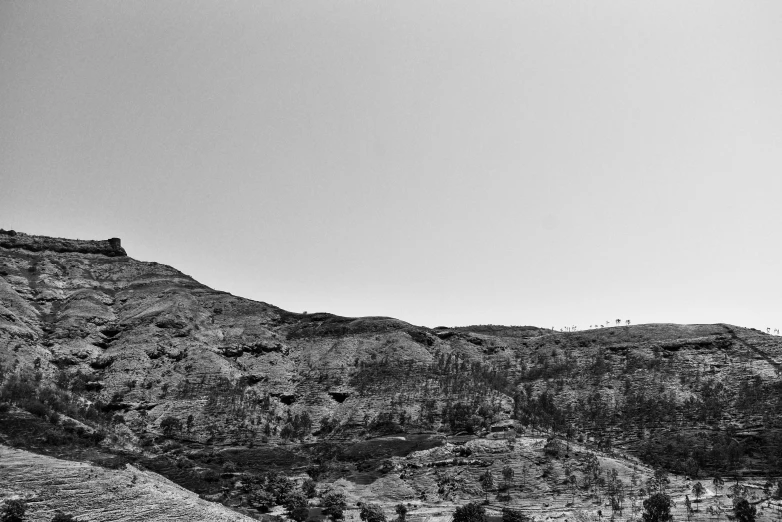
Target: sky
{"type": "Point", "coordinates": [443, 162]}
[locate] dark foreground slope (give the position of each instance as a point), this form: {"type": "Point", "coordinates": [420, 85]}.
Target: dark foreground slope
{"type": "Point", "coordinates": [111, 354]}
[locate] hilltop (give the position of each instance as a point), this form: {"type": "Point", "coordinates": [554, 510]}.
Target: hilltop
{"type": "Point", "coordinates": [115, 361]}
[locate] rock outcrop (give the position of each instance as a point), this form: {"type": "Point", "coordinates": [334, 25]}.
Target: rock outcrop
{"type": "Point", "coordinates": [110, 247]}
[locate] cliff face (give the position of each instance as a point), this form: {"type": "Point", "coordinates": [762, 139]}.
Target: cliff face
{"type": "Point", "coordinates": [166, 355]}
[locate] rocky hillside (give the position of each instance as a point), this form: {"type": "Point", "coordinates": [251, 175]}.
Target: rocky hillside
{"type": "Point", "coordinates": [97, 494]}
{"type": "Point", "coordinates": [98, 350]}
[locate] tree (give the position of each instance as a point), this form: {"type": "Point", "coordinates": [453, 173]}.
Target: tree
{"type": "Point", "coordinates": [472, 512]}
{"type": "Point", "coordinates": [296, 504]}
{"type": "Point", "coordinates": [308, 487]}
{"type": "Point", "coordinates": [487, 483]}
{"type": "Point", "coordinates": [698, 490]}
{"type": "Point", "coordinates": [401, 512]}
{"type": "Point", "coordinates": [372, 513]}
{"type": "Point", "coordinates": [657, 508]}
{"type": "Point", "coordinates": [573, 484]}
{"type": "Point", "coordinates": [745, 512]}
{"type": "Point", "coordinates": [507, 475]}
{"type": "Point", "coordinates": [691, 467]}
{"type": "Point", "coordinates": [279, 486]}
{"type": "Point", "coordinates": [260, 499]}
{"type": "Point", "coordinates": [660, 480]}
{"type": "Point", "coordinates": [718, 482]}
{"type": "Point", "coordinates": [13, 510]}
{"type": "Point", "coordinates": [334, 505]}
{"type": "Point", "coordinates": [688, 507]}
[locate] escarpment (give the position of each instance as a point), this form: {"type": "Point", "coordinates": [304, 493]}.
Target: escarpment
{"type": "Point", "coordinates": [110, 247]}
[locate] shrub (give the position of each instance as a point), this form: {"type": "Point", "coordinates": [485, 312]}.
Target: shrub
{"type": "Point", "coordinates": [61, 517]}
{"type": "Point", "coordinates": [13, 510]}
{"type": "Point", "coordinates": [210, 475]}
{"type": "Point", "coordinates": [372, 513]}
{"type": "Point", "coordinates": [472, 512]}
{"type": "Point", "coordinates": [401, 511]}
{"type": "Point", "coordinates": [36, 407]}
{"type": "Point", "coordinates": [300, 513]}
{"type": "Point", "coordinates": [170, 425]}
{"type": "Point", "coordinates": [745, 512]}
{"type": "Point", "coordinates": [511, 515]}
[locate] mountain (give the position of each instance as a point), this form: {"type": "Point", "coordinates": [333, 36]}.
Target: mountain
{"type": "Point", "coordinates": [111, 360]}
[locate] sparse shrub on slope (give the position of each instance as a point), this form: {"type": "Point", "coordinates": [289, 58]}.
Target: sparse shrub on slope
{"type": "Point", "coordinates": [13, 510]}
{"type": "Point", "coordinates": [401, 512]}
{"type": "Point", "coordinates": [171, 425]}
{"type": "Point", "coordinates": [513, 515]}
{"type": "Point", "coordinates": [472, 512]}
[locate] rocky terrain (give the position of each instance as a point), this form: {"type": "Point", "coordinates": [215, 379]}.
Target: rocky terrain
{"type": "Point", "coordinates": [114, 361]}
{"type": "Point", "coordinates": [99, 494]}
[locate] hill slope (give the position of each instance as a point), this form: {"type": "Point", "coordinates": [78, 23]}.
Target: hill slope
{"type": "Point", "coordinates": [140, 359]}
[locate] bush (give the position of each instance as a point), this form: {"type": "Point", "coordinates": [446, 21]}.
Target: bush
{"type": "Point", "coordinates": [170, 425]}
{"type": "Point", "coordinates": [372, 513]}
{"type": "Point", "coordinates": [300, 513]}
{"type": "Point", "coordinates": [61, 517]}
{"type": "Point", "coordinates": [36, 407]}
{"type": "Point", "coordinates": [472, 512]}
{"type": "Point", "coordinates": [745, 512]}
{"type": "Point", "coordinates": [401, 511]}
{"type": "Point", "coordinates": [210, 475]}
{"type": "Point", "coordinates": [511, 515]}
{"type": "Point", "coordinates": [13, 511]}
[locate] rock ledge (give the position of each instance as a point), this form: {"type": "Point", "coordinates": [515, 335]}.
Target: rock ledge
{"type": "Point", "coordinates": [109, 247]}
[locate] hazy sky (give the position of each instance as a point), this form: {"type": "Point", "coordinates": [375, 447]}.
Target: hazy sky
{"type": "Point", "coordinates": [547, 163]}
